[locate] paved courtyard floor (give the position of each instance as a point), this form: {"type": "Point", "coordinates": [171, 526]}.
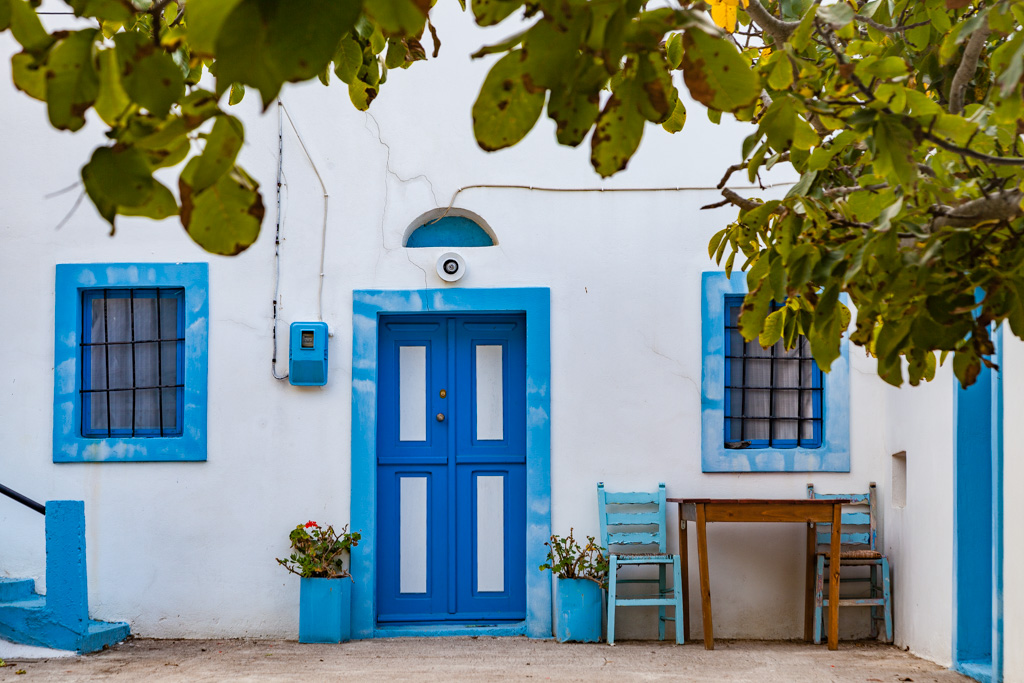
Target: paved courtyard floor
{"type": "Point", "coordinates": [481, 659]}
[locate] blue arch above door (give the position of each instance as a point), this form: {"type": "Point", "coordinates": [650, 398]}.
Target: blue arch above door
{"type": "Point", "coordinates": [367, 306]}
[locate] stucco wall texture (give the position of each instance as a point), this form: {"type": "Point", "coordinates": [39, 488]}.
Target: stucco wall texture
{"type": "Point", "coordinates": [187, 549]}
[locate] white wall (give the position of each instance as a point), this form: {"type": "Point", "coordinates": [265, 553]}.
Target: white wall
{"type": "Point", "coordinates": [188, 549]}
{"type": "Point", "coordinates": [1013, 508]}
{"type": "Point", "coordinates": [918, 538]}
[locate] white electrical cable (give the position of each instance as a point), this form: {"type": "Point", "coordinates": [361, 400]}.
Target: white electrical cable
{"type": "Point", "coordinates": [323, 233]}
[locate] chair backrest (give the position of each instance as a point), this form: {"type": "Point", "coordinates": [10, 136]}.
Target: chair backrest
{"type": "Point", "coordinates": [860, 527]}
{"type": "Point", "coordinates": [632, 519]}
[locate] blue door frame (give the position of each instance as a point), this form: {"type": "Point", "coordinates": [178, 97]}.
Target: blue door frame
{"type": "Point", "coordinates": [367, 308]}
{"type": "Point", "coordinates": [978, 525]}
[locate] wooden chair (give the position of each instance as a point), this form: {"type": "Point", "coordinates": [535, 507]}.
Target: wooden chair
{"type": "Point", "coordinates": [859, 548]}
{"type": "Point", "coordinates": [629, 522]}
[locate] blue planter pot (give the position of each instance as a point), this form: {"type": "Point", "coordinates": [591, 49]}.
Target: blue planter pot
{"type": "Point", "coordinates": [325, 610]}
{"type": "Point", "coordinates": [578, 611]}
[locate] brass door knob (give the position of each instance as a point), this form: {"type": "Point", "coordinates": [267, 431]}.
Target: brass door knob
{"type": "Point", "coordinates": [440, 417]}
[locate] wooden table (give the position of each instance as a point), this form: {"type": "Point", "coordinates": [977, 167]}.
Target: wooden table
{"type": "Point", "coordinates": [808, 511]}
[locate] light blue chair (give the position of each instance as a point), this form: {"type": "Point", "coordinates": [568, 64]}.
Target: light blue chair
{"type": "Point", "coordinates": [633, 529]}
{"type": "Point", "coordinates": [859, 541]}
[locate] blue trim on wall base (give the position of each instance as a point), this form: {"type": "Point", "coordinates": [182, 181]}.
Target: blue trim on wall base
{"type": "Point", "coordinates": [68, 443]}
{"type": "Point", "coordinates": [367, 306]}
{"type": "Point", "coordinates": [834, 453]}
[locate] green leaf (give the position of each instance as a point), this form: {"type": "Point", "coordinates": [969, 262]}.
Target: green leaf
{"type": "Point", "coordinates": [112, 100]}
{"type": "Point", "coordinates": [773, 326]}
{"type": "Point", "coordinates": [5, 14]}
{"type": "Point", "coordinates": [716, 74]}
{"type": "Point", "coordinates": [348, 59]}
{"type": "Point", "coordinates": [205, 19]}
{"type": "Point", "coordinates": [491, 12]}
{"type": "Point", "coordinates": [677, 119]}
{"type": "Point", "coordinates": [839, 15]}
{"type": "Point", "coordinates": [399, 17]}
{"type": "Point", "coordinates": [573, 113]}
{"type": "Point", "coordinates": [118, 176]}
{"type": "Point", "coordinates": [224, 218]}
{"type": "Point", "coordinates": [159, 206]}
{"type": "Point", "coordinates": [616, 135]}
{"type": "Point", "coordinates": [71, 80]}
{"type": "Point", "coordinates": [550, 53]}
{"type": "Point", "coordinates": [265, 43]}
{"type": "Point", "coordinates": [785, 129]}
{"type": "Point", "coordinates": [120, 11]}
{"type": "Point", "coordinates": [505, 110]}
{"type": "Point", "coordinates": [361, 94]}
{"type": "Point", "coordinates": [149, 75]}
{"type": "Point", "coordinates": [894, 146]}
{"type": "Point", "coordinates": [28, 75]}
{"type": "Point", "coordinates": [755, 310]}
{"type": "Point", "coordinates": [674, 50]}
{"type": "Point", "coordinates": [236, 94]}
{"type": "Point", "coordinates": [218, 157]}
{"type": "Point", "coordinates": [27, 28]}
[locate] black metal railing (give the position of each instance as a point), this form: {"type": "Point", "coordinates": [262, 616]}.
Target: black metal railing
{"type": "Point", "coordinates": [24, 500]}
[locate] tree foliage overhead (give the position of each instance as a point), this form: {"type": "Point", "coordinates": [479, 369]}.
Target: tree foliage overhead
{"type": "Point", "coordinates": [903, 119]}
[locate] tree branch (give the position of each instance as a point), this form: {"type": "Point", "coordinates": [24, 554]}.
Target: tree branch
{"type": "Point", "coordinates": [778, 29]}
{"type": "Point", "coordinates": [844, 190]}
{"type": "Point", "coordinates": [980, 156]}
{"type": "Point", "coordinates": [733, 198]}
{"type": "Point", "coordinates": [968, 65]}
{"type": "Point", "coordinates": [999, 206]}
{"type": "Point", "coordinates": [888, 29]}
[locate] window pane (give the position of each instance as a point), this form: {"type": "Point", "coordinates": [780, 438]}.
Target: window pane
{"type": "Point", "coordinates": [489, 391]}
{"type": "Point", "coordinates": [412, 393]}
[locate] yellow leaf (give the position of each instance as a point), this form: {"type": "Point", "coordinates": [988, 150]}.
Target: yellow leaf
{"type": "Point", "coordinates": [724, 15]}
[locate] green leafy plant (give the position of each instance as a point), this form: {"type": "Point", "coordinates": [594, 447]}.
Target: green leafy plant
{"type": "Point", "coordinates": [568, 559]}
{"type": "Point", "coordinates": [319, 552]}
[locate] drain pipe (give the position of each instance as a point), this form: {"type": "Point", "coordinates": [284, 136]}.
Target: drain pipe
{"type": "Point", "coordinates": [277, 236]}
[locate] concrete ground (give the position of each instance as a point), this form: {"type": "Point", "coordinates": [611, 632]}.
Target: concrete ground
{"type": "Point", "coordinates": [481, 659]}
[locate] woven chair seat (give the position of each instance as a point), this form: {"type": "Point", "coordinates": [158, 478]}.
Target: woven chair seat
{"type": "Point", "coordinates": [854, 554]}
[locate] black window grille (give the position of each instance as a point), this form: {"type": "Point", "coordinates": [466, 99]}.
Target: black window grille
{"type": "Point", "coordinates": [133, 362]}
{"type": "Point", "coordinates": [774, 396]}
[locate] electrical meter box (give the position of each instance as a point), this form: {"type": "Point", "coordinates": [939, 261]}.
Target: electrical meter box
{"type": "Point", "coordinates": [307, 354]}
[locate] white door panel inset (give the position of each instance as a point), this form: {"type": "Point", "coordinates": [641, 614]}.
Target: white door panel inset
{"type": "Point", "coordinates": [412, 535]}
{"type": "Point", "coordinates": [412, 393]}
{"type": "Point", "coordinates": [490, 423]}
{"type": "Point", "coordinates": [490, 533]}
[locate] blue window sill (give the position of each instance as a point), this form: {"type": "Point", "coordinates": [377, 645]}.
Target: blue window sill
{"type": "Point", "coordinates": [68, 443]}
{"type": "Point", "coordinates": [834, 453]}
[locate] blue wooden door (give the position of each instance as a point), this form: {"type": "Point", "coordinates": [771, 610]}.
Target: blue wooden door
{"type": "Point", "coordinates": [451, 468]}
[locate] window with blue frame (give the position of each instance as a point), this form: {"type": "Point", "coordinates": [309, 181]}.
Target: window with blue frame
{"type": "Point", "coordinates": [773, 396]}
{"type": "Point", "coordinates": [130, 371]}
{"type": "Point", "coordinates": [133, 347]}
{"type": "Point", "coordinates": [766, 410]}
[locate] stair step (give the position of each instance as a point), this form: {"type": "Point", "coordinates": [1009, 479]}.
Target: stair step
{"type": "Point", "coordinates": [32, 602]}
{"type": "Point", "coordinates": [16, 589]}
{"type": "Point", "coordinates": [100, 634]}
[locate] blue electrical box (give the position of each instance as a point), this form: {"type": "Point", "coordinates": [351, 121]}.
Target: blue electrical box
{"type": "Point", "coordinates": [307, 354]}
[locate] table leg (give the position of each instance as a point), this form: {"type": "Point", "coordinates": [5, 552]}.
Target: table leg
{"type": "Point", "coordinates": [685, 567]}
{"type": "Point", "coordinates": [705, 580]}
{"type": "Point", "coordinates": [810, 571]}
{"type": "Point", "coordinates": [833, 579]}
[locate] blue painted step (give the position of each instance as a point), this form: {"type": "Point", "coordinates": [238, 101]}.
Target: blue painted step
{"type": "Point", "coordinates": [16, 589]}
{"type": "Point", "coordinates": [29, 621]}
{"type": "Point", "coordinates": [60, 619]}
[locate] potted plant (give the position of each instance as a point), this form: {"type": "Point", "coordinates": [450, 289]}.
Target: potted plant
{"type": "Point", "coordinates": [325, 597]}
{"type": "Point", "coordinates": [580, 572]}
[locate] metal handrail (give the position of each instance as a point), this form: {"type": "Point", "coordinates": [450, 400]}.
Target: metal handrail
{"type": "Point", "coordinates": [24, 500]}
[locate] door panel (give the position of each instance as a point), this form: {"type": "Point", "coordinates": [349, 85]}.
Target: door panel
{"type": "Point", "coordinates": [451, 484]}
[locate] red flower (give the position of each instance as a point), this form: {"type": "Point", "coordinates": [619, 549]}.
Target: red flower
{"type": "Point", "coordinates": [312, 523]}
